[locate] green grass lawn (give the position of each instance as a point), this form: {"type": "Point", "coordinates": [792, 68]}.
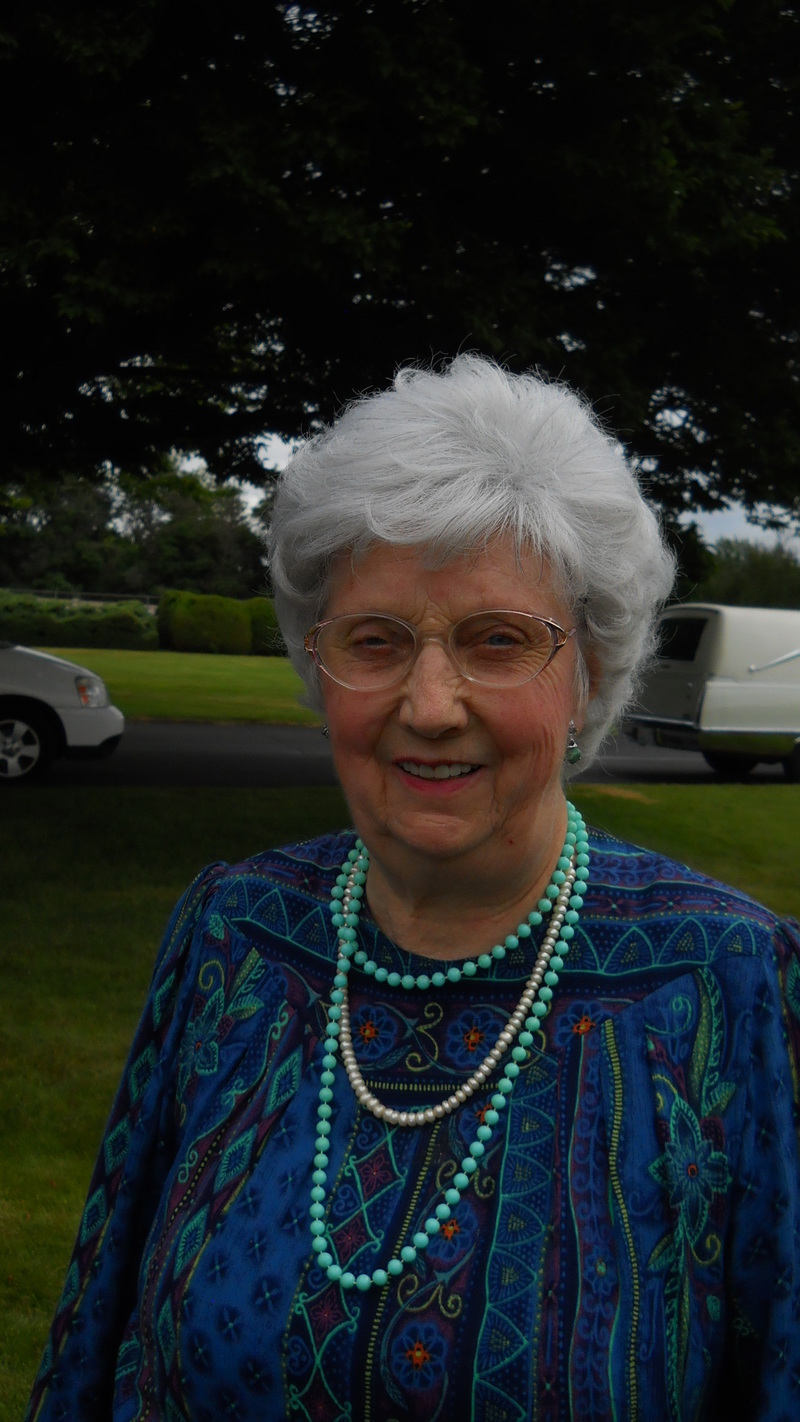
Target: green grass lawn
{"type": "Point", "coordinates": [91, 877]}
{"type": "Point", "coordinates": [186, 686]}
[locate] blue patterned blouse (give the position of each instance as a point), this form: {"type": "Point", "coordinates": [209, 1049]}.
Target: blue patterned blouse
{"type": "Point", "coordinates": [628, 1248]}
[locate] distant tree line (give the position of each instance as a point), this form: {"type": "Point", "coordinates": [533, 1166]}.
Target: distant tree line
{"type": "Point", "coordinates": [170, 530]}
{"type": "Point", "coordinates": [179, 530]}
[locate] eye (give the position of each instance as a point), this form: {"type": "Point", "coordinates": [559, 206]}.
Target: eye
{"type": "Point", "coordinates": [376, 637]}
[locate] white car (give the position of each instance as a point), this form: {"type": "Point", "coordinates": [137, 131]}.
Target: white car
{"type": "Point", "coordinates": [50, 707]}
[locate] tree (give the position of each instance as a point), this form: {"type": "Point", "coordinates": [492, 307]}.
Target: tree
{"type": "Point", "coordinates": [171, 529]}
{"type": "Point", "coordinates": [223, 220]}
{"type": "Point", "coordinates": [748, 575]}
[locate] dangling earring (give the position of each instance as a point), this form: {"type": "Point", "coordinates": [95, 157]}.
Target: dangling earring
{"type": "Point", "coordinates": [573, 752]}
{"type": "Point", "coordinates": [326, 733]}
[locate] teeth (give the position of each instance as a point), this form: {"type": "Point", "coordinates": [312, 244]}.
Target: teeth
{"type": "Point", "coordinates": [436, 772]}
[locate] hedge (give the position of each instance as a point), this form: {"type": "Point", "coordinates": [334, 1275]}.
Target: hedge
{"type": "Point", "coordinates": [203, 622]}
{"type": "Point", "coordinates": [51, 622]}
{"type": "Point", "coordinates": [185, 622]}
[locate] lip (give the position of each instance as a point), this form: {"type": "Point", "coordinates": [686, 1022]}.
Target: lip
{"type": "Point", "coordinates": [432, 784]}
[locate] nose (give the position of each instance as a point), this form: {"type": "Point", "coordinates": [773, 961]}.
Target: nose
{"type": "Point", "coordinates": [434, 693]}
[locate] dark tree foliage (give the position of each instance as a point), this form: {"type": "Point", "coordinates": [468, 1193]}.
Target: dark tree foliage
{"type": "Point", "coordinates": [224, 219]}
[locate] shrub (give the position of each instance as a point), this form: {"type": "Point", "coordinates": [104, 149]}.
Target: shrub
{"type": "Point", "coordinates": [199, 622]}
{"type": "Point", "coordinates": [52, 622]}
{"type": "Point", "coordinates": [267, 640]}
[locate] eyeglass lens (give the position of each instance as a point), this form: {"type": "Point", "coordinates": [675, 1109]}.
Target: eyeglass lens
{"type": "Point", "coordinates": [496, 648]}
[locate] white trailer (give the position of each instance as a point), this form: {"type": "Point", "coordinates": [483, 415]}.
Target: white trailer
{"type": "Point", "coordinates": [726, 683]}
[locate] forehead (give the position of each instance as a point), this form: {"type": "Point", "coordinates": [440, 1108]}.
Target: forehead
{"type": "Point", "coordinates": [403, 580]}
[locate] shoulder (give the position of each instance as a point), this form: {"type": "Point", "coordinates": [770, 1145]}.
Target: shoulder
{"type": "Point", "coordinates": [669, 912]}
{"type": "Point", "coordinates": [307, 868]}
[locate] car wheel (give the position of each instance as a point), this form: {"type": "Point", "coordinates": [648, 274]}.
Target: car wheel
{"type": "Point", "coordinates": [730, 763]}
{"type": "Point", "coordinates": [26, 746]}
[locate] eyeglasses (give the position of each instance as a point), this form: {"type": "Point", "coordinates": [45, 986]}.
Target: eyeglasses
{"type": "Point", "coordinates": [370, 651]}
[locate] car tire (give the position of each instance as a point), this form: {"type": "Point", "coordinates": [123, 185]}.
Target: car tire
{"type": "Point", "coordinates": [27, 746]}
{"type": "Point", "coordinates": [730, 762]}
{"type": "Point", "coordinates": [791, 765]}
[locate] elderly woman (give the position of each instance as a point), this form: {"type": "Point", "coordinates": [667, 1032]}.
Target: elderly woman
{"type": "Point", "coordinates": [462, 1113]}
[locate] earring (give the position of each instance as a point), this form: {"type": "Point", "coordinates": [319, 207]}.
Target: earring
{"type": "Point", "coordinates": [326, 733]}
{"type": "Point", "coordinates": [573, 752]}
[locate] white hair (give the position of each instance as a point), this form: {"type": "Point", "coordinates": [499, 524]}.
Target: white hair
{"type": "Point", "coordinates": [448, 460]}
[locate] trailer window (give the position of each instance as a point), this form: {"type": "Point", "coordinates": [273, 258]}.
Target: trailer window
{"type": "Point", "coordinates": [679, 637]}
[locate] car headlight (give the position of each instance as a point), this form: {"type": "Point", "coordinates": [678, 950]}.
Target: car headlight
{"type": "Point", "coordinates": [91, 691]}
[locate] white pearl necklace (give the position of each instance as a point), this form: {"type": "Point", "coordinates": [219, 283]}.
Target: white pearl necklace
{"type": "Point", "coordinates": [506, 1039]}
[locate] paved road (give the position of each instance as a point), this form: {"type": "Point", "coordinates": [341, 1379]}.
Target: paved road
{"type": "Point", "coordinates": [178, 753]}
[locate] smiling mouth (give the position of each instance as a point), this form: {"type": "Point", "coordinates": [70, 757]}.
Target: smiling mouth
{"type": "Point", "coordinates": [443, 771]}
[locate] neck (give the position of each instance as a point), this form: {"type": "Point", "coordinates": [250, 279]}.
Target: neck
{"type": "Point", "coordinates": [449, 910]}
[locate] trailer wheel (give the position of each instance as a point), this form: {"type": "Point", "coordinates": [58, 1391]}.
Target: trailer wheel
{"type": "Point", "coordinates": [791, 765]}
{"type": "Point", "coordinates": [730, 763]}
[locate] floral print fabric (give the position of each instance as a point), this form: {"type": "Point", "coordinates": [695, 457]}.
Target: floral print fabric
{"type": "Point", "coordinates": [628, 1248]}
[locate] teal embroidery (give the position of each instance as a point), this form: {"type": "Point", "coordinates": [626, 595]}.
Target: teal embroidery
{"type": "Point", "coordinates": [692, 1172]}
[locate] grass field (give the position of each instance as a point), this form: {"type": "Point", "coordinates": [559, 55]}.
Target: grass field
{"type": "Point", "coordinates": [183, 686]}
{"type": "Point", "coordinates": [93, 877]}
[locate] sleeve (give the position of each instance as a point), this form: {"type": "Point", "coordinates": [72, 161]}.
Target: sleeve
{"type": "Point", "coordinates": [76, 1377]}
{"type": "Point", "coordinates": [763, 1366]}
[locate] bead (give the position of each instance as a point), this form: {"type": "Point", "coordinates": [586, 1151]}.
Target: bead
{"type": "Point", "coordinates": [408, 1254]}
{"type": "Point", "coordinates": [438, 980]}
{"type": "Point", "coordinates": [453, 975]}
{"type": "Point", "coordinates": [394, 1267]}
{"type": "Point", "coordinates": [423, 981]}
{"type": "Point", "coordinates": [485, 960]}
{"type": "Point", "coordinates": [551, 892]}
{"type": "Point", "coordinates": [394, 980]}
{"type": "Point", "coordinates": [321, 1159]}
{"type": "Point", "coordinates": [370, 967]}
{"type": "Point", "coordinates": [317, 1193]}
{"type": "Point", "coordinates": [380, 1278]}
{"type": "Point", "coordinates": [318, 1246]}
{"type": "Point", "coordinates": [469, 1165]}
{"type": "Point", "coordinates": [535, 918]}
{"type": "Point", "coordinates": [556, 963]}
{"type": "Point", "coordinates": [327, 1079]}
{"type": "Point", "coordinates": [499, 951]}
{"type": "Point", "coordinates": [443, 1211]}
{"type": "Point", "coordinates": [525, 1040]}
{"type": "Point", "coordinates": [498, 1101]}
{"type": "Point", "coordinates": [452, 1196]}
{"type": "Point", "coordinates": [319, 1176]}
{"type": "Point", "coordinates": [469, 969]}
{"type": "Point", "coordinates": [567, 932]}
{"type": "Point", "coordinates": [477, 1149]}
{"type": "Point", "coordinates": [523, 930]}
{"type": "Point", "coordinates": [324, 1259]}
{"type": "Point", "coordinates": [519, 1054]}
{"type": "Point", "coordinates": [328, 1062]}
{"type": "Point", "coordinates": [323, 1110]}
{"type": "Point", "coordinates": [422, 1240]}
{"type": "Point", "coordinates": [364, 1282]}
{"type": "Point", "coordinates": [484, 1133]}
{"type": "Point", "coordinates": [461, 1180]}
{"type": "Point", "coordinates": [544, 906]}
{"type": "Point", "coordinates": [347, 1280]}
{"type": "Point", "coordinates": [381, 974]}
{"type": "Point", "coordinates": [334, 1272]}
{"type": "Point", "coordinates": [511, 1070]}
{"type": "Point", "coordinates": [505, 1085]}
{"type": "Point", "coordinates": [317, 1211]}
{"type": "Point", "coordinates": [317, 1227]}
{"type": "Point", "coordinates": [408, 981]}
{"type": "Point", "coordinates": [551, 979]}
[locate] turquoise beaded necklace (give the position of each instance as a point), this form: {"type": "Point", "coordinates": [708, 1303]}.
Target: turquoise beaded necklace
{"type": "Point", "coordinates": [563, 900]}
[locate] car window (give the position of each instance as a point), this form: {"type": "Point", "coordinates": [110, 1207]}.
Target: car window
{"type": "Point", "coordinates": [679, 637]}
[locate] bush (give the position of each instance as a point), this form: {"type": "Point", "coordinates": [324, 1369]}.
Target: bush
{"type": "Point", "coordinates": [197, 622]}
{"type": "Point", "coordinates": [267, 640]}
{"type": "Point", "coordinates": [51, 622]}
